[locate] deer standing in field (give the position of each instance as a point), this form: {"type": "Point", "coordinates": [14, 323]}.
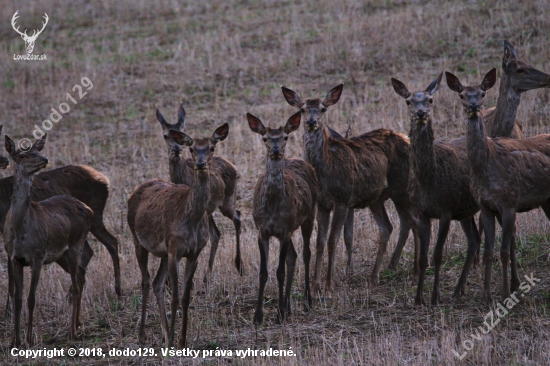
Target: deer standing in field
{"type": "Point", "coordinates": [223, 184]}
{"type": "Point", "coordinates": [438, 186]}
{"type": "Point", "coordinates": [360, 172]}
{"type": "Point", "coordinates": [506, 176]}
{"type": "Point", "coordinates": [171, 221]}
{"type": "Point", "coordinates": [39, 233]}
{"type": "Point", "coordinates": [285, 197]}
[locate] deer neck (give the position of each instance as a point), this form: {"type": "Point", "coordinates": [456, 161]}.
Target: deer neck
{"type": "Point", "coordinates": [21, 198]}
{"type": "Point", "coordinates": [476, 143]}
{"type": "Point", "coordinates": [504, 118]}
{"type": "Point", "coordinates": [314, 147]}
{"type": "Point", "coordinates": [422, 156]}
{"type": "Point", "coordinates": [274, 181]}
{"type": "Point", "coordinates": [179, 171]}
{"type": "Point", "coordinates": [199, 196]}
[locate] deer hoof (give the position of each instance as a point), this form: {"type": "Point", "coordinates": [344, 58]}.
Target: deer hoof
{"type": "Point", "coordinates": [374, 281]}
{"type": "Point", "coordinates": [258, 318]}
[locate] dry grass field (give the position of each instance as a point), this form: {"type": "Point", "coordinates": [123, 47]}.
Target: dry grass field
{"type": "Point", "coordinates": [223, 59]}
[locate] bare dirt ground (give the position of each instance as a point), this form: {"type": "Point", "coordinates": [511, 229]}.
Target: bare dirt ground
{"type": "Point", "coordinates": [223, 59]}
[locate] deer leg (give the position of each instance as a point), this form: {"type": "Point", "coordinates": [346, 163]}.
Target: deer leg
{"type": "Point", "coordinates": [174, 302]}
{"type": "Point", "coordinates": [214, 240]}
{"type": "Point", "coordinates": [424, 232]}
{"type": "Point", "coordinates": [489, 229]}
{"type": "Point", "coordinates": [142, 256]}
{"type": "Point", "coordinates": [514, 284]}
{"type": "Point", "coordinates": [508, 228]}
{"type": "Point", "coordinates": [17, 273]}
{"type": "Point", "coordinates": [11, 289]}
{"type": "Point", "coordinates": [444, 224]}
{"type": "Point", "coordinates": [384, 229]}
{"type": "Point", "coordinates": [190, 267]}
{"type": "Point", "coordinates": [31, 301]}
{"type": "Point", "coordinates": [158, 287]}
{"type": "Point", "coordinates": [479, 234]}
{"type": "Point", "coordinates": [72, 257]}
{"type": "Point", "coordinates": [338, 218]}
{"type": "Point", "coordinates": [307, 229]}
{"type": "Point", "coordinates": [468, 226]}
{"type": "Point", "coordinates": [291, 256]}
{"type": "Point", "coordinates": [348, 239]}
{"type": "Point", "coordinates": [87, 254]}
{"type": "Point", "coordinates": [228, 210]}
{"type": "Point", "coordinates": [283, 249]}
{"type": "Point", "coordinates": [263, 245]}
{"type": "Point", "coordinates": [111, 243]}
{"type": "Point", "coordinates": [323, 220]}
{"type": "Point", "coordinates": [404, 228]}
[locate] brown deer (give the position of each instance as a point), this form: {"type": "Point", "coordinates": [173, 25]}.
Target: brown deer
{"type": "Point", "coordinates": [506, 176]}
{"type": "Point", "coordinates": [171, 221]}
{"type": "Point", "coordinates": [39, 233]}
{"type": "Point", "coordinates": [438, 186]}
{"type": "Point", "coordinates": [360, 172]}
{"type": "Point", "coordinates": [222, 186]}
{"type": "Point", "coordinates": [517, 77]}
{"type": "Point", "coordinates": [285, 197]}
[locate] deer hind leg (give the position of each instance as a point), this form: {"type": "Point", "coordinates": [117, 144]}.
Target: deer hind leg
{"type": "Point", "coordinates": [508, 234]}
{"type": "Point", "coordinates": [263, 245]}
{"type": "Point", "coordinates": [111, 243]}
{"type": "Point", "coordinates": [307, 229]}
{"type": "Point", "coordinates": [190, 268]}
{"type": "Point", "coordinates": [158, 287]}
{"type": "Point", "coordinates": [17, 274]}
{"type": "Point", "coordinates": [443, 231]}
{"type": "Point", "coordinates": [214, 240]}
{"type": "Point", "coordinates": [323, 220]}
{"type": "Point", "coordinates": [489, 229]}
{"type": "Point", "coordinates": [228, 210]}
{"type": "Point", "coordinates": [384, 228]}
{"type": "Point", "coordinates": [479, 234]}
{"type": "Point", "coordinates": [338, 220]}
{"type": "Point", "coordinates": [291, 256]}
{"type": "Point", "coordinates": [348, 239]}
{"type": "Point", "coordinates": [470, 230]}
{"type": "Point", "coordinates": [424, 232]}
{"type": "Point", "coordinates": [173, 264]}
{"type": "Point", "coordinates": [404, 228]}
{"type": "Point", "coordinates": [72, 258]}
{"type": "Point", "coordinates": [142, 256]}
{"type": "Point", "coordinates": [284, 247]}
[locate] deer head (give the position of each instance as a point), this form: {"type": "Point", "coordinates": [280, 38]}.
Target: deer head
{"type": "Point", "coordinates": [521, 76]}
{"type": "Point", "coordinates": [174, 148]}
{"type": "Point", "coordinates": [274, 138]}
{"type": "Point", "coordinates": [29, 40]}
{"type": "Point", "coordinates": [420, 103]}
{"type": "Point", "coordinates": [30, 161]}
{"type": "Point", "coordinates": [472, 97]}
{"type": "Point", "coordinates": [313, 109]}
{"type": "Point", "coordinates": [202, 150]}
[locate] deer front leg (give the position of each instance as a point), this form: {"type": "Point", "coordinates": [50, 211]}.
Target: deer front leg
{"type": "Point", "coordinates": [404, 228]}
{"type": "Point", "coordinates": [291, 256]}
{"type": "Point", "coordinates": [424, 231]}
{"type": "Point", "coordinates": [31, 301]}
{"type": "Point", "coordinates": [338, 219]}
{"type": "Point", "coordinates": [443, 231]}
{"type": "Point", "coordinates": [508, 228]}
{"type": "Point", "coordinates": [174, 302]}
{"type": "Point", "coordinates": [159, 284]}
{"type": "Point", "coordinates": [17, 274]}
{"type": "Point", "coordinates": [263, 245]}
{"type": "Point", "coordinates": [307, 228]}
{"type": "Point", "coordinates": [11, 289]}
{"type": "Point", "coordinates": [214, 240]}
{"type": "Point", "coordinates": [323, 220]}
{"type": "Point", "coordinates": [348, 239]}
{"type": "Point", "coordinates": [190, 268]}
{"type": "Point", "coordinates": [489, 229]}
{"type": "Point", "coordinates": [472, 236]}
{"type": "Point", "coordinates": [384, 228]}
{"type": "Point", "coordinates": [142, 256]}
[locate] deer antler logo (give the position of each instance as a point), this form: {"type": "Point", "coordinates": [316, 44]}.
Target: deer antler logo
{"type": "Point", "coordinates": [29, 40]}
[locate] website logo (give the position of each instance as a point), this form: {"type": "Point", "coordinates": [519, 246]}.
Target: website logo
{"type": "Point", "coordinates": [29, 40]}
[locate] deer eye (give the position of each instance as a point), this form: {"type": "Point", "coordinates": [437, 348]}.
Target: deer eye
{"type": "Point", "coordinates": [408, 102]}
{"type": "Point", "coordinates": [22, 156]}
{"type": "Point", "coordinates": [286, 138]}
{"type": "Point", "coordinates": [461, 96]}
{"type": "Point", "coordinates": [483, 95]}
{"type": "Point", "coordinates": [324, 109]}
{"type": "Point", "coordinates": [212, 149]}
{"type": "Point", "coordinates": [265, 139]}
{"type": "Point", "coordinates": [431, 100]}
{"type": "Point", "coordinates": [519, 71]}
{"type": "Point", "coordinates": [191, 150]}
{"type": "Point", "coordinates": [302, 110]}
{"type": "Point", "coordinates": [165, 136]}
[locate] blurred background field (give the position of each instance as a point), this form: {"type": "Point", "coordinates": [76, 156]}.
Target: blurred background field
{"type": "Point", "coordinates": [223, 59]}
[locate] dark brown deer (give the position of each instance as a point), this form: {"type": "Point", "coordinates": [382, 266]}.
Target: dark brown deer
{"type": "Point", "coordinates": [285, 197]}
{"type": "Point", "coordinates": [438, 186]}
{"type": "Point", "coordinates": [506, 176]}
{"type": "Point", "coordinates": [360, 172]}
{"type": "Point", "coordinates": [222, 185]}
{"type": "Point", "coordinates": [39, 233]}
{"type": "Point", "coordinates": [517, 78]}
{"type": "Point", "coordinates": [171, 221]}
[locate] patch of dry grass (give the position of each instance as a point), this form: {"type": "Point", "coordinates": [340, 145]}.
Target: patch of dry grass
{"type": "Point", "coordinates": [223, 59]}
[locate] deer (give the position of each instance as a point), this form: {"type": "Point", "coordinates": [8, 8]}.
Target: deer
{"type": "Point", "coordinates": [285, 198]}
{"type": "Point", "coordinates": [39, 233]}
{"type": "Point", "coordinates": [29, 40]}
{"type": "Point", "coordinates": [170, 221]}
{"type": "Point", "coordinates": [355, 173]}
{"type": "Point", "coordinates": [4, 162]}
{"type": "Point", "coordinates": [506, 176]}
{"type": "Point", "coordinates": [222, 185]}
{"type": "Point", "coordinates": [439, 187]}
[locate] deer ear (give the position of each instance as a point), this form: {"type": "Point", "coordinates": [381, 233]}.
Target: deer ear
{"type": "Point", "coordinates": [9, 144]}
{"type": "Point", "coordinates": [255, 124]}
{"type": "Point", "coordinates": [292, 98]}
{"type": "Point", "coordinates": [1, 128]}
{"type": "Point", "coordinates": [181, 138]}
{"type": "Point", "coordinates": [293, 122]}
{"type": "Point", "coordinates": [39, 144]}
{"type": "Point", "coordinates": [509, 54]}
{"type": "Point", "coordinates": [489, 80]}
{"type": "Point", "coordinates": [333, 96]}
{"type": "Point", "coordinates": [220, 134]}
{"type": "Point", "coordinates": [181, 117]}
{"type": "Point", "coordinates": [453, 83]}
{"type": "Point", "coordinates": [434, 85]}
{"type": "Point", "coordinates": [400, 88]}
{"type": "Point", "coordinates": [161, 120]}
